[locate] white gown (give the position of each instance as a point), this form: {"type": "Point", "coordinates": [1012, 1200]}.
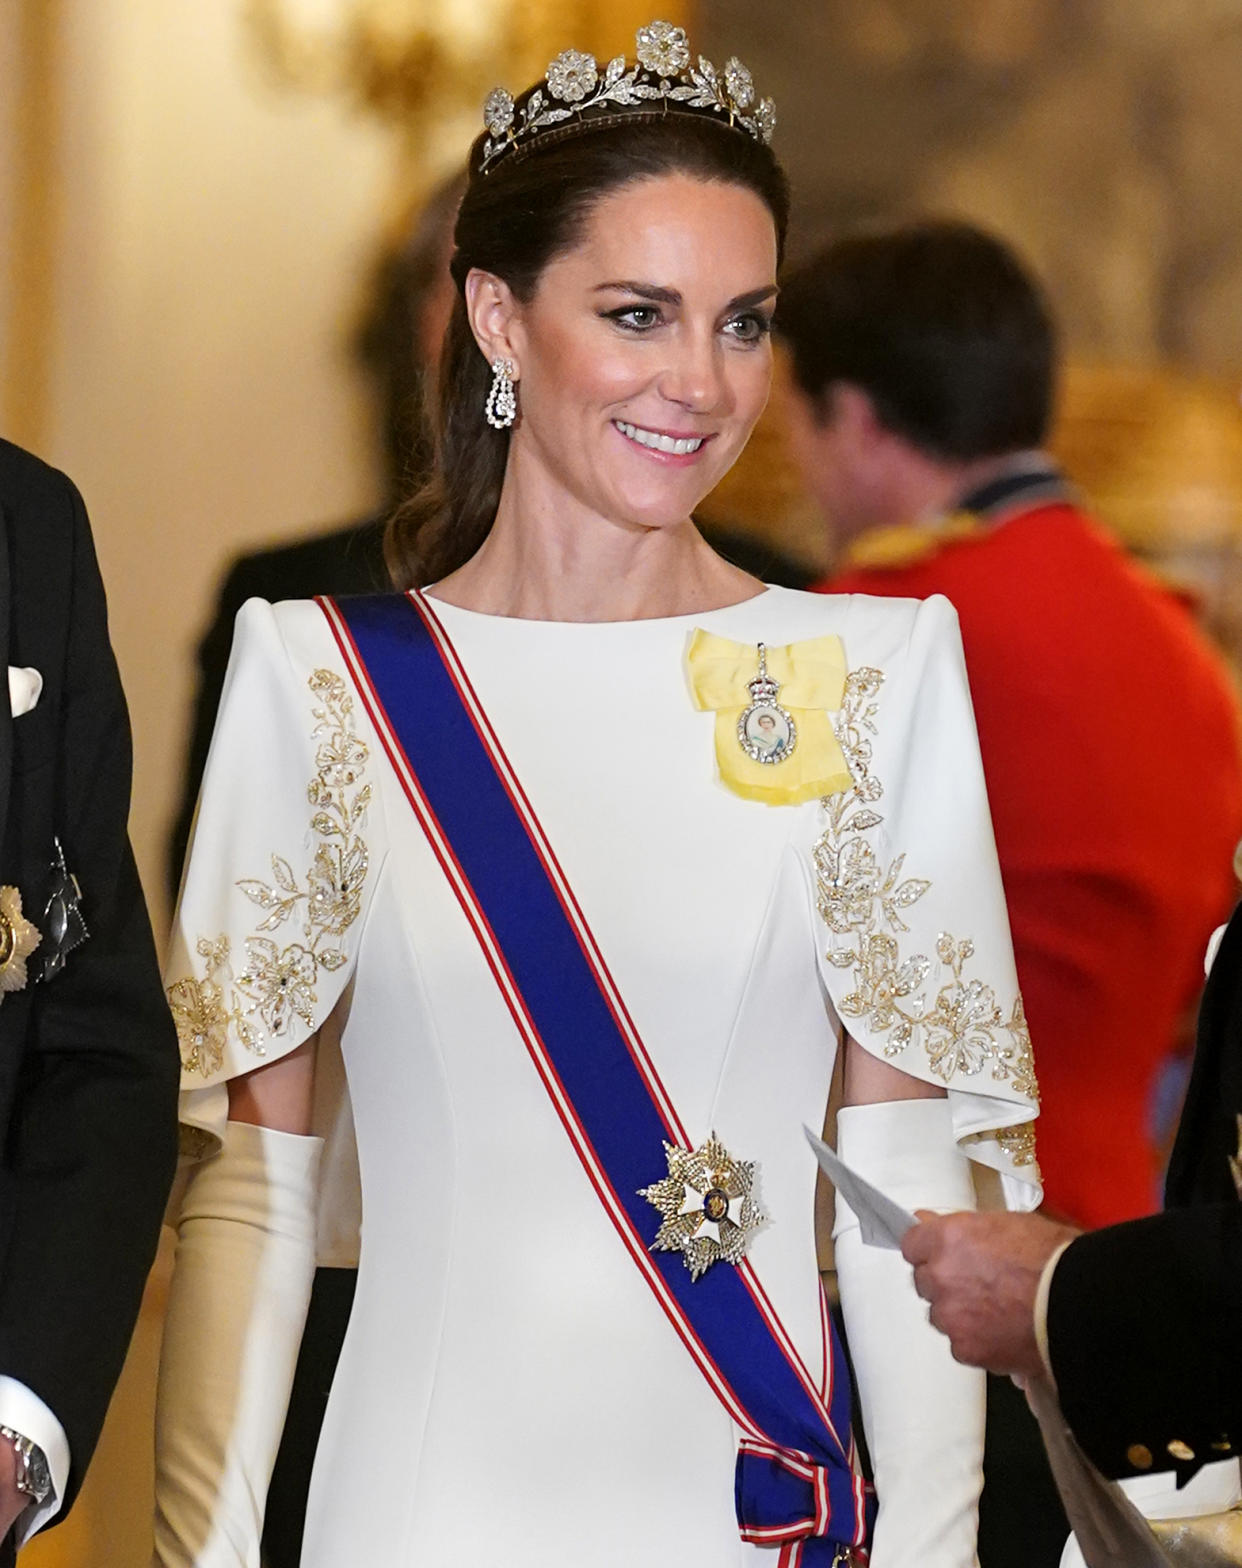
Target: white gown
{"type": "Point", "coordinates": [509, 1390]}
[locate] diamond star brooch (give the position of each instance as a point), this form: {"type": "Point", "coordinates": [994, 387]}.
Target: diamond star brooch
{"type": "Point", "coordinates": [706, 1205]}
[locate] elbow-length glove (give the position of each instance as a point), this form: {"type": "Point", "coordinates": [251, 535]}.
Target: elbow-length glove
{"type": "Point", "coordinates": [237, 1305]}
{"type": "Point", "coordinates": [922, 1412]}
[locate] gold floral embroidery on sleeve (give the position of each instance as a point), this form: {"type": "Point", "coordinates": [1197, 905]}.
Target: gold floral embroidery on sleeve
{"type": "Point", "coordinates": [277, 983]}
{"type": "Point", "coordinates": [1018, 1141]}
{"type": "Point", "coordinates": [962, 1028]}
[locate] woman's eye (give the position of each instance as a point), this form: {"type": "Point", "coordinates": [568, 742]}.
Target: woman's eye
{"type": "Point", "coordinates": [750, 328]}
{"type": "Point", "coordinates": [636, 318]}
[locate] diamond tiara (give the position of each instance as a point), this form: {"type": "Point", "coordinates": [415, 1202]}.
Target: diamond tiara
{"type": "Point", "coordinates": [663, 77]}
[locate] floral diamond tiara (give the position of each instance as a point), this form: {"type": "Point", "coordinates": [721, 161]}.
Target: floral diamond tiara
{"type": "Point", "coordinates": [663, 76]}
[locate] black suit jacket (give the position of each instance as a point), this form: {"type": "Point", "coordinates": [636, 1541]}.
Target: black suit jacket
{"type": "Point", "coordinates": [88, 1059]}
{"type": "Point", "coordinates": [1145, 1319]}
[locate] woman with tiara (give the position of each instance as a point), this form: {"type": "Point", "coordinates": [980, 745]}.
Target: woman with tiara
{"type": "Point", "coordinates": [591, 952]}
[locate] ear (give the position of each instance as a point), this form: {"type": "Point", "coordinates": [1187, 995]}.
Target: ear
{"type": "Point", "coordinates": [492, 312]}
{"type": "Point", "coordinates": [851, 409]}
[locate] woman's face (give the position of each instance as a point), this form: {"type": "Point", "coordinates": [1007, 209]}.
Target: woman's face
{"type": "Point", "coordinates": [644, 357]}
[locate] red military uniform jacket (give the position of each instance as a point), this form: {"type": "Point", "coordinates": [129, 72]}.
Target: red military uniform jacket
{"type": "Point", "coordinates": [1109, 734]}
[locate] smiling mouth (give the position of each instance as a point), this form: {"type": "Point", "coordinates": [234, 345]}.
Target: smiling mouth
{"type": "Point", "coordinates": [676, 446]}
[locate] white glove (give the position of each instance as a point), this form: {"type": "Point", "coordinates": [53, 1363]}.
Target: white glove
{"type": "Point", "coordinates": [236, 1310]}
{"type": "Point", "coordinates": [923, 1413]}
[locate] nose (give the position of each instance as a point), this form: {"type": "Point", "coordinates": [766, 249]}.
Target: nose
{"type": "Point", "coordinates": [693, 376]}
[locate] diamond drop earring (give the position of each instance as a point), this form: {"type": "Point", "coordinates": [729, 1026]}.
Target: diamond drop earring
{"type": "Point", "coordinates": [501, 407]}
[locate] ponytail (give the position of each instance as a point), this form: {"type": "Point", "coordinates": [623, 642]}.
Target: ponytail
{"type": "Point", "coordinates": [444, 522]}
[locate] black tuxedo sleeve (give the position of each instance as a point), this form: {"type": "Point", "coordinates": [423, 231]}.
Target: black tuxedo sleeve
{"type": "Point", "coordinates": [91, 1143]}
{"type": "Point", "coordinates": [1144, 1330]}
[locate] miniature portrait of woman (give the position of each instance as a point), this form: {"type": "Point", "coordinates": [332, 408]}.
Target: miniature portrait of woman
{"type": "Point", "coordinates": [768, 734]}
{"type": "Point", "coordinates": [591, 967]}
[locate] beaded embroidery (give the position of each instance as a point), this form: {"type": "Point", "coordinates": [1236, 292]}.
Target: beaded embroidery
{"type": "Point", "coordinates": [278, 983]}
{"type": "Point", "coordinates": [1018, 1142]}
{"type": "Point", "coordinates": [962, 1028]}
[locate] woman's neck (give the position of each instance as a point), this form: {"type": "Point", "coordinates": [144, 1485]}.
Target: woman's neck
{"type": "Point", "coordinates": [593, 571]}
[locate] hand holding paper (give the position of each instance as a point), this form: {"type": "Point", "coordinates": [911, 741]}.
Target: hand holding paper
{"type": "Point", "coordinates": [981, 1274]}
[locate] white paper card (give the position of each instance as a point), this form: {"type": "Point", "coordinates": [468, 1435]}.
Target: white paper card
{"type": "Point", "coordinates": [882, 1221]}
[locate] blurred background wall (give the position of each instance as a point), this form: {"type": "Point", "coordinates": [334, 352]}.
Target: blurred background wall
{"type": "Point", "coordinates": [1100, 136]}
{"type": "Point", "coordinates": [193, 199]}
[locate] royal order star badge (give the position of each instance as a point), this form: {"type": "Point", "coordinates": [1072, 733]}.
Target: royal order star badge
{"type": "Point", "coordinates": [706, 1205]}
{"type": "Point", "coordinates": [18, 939]}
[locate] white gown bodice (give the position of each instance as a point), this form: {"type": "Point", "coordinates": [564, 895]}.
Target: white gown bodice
{"type": "Point", "coordinates": [510, 1390]}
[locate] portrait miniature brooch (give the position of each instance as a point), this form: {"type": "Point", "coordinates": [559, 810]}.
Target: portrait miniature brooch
{"type": "Point", "coordinates": [774, 737]}
{"type": "Point", "coordinates": [766, 732]}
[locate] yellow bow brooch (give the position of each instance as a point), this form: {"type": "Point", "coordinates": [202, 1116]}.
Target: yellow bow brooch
{"type": "Point", "coordinates": [774, 739]}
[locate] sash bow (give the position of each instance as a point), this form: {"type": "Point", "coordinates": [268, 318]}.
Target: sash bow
{"type": "Point", "coordinates": [812, 685]}
{"type": "Point", "coordinates": [782, 1498]}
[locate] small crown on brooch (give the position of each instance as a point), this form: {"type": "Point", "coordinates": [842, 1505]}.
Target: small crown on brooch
{"type": "Point", "coordinates": [763, 688]}
{"type": "Point", "coordinates": [664, 77]}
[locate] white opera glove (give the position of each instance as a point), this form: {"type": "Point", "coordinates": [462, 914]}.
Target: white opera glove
{"type": "Point", "coordinates": [1212, 1489]}
{"type": "Point", "coordinates": [236, 1310]}
{"type": "Point", "coordinates": [923, 1413]}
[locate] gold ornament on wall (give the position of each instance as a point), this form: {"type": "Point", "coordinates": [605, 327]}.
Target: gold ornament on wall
{"type": "Point", "coordinates": [425, 66]}
{"type": "Point", "coordinates": [404, 60]}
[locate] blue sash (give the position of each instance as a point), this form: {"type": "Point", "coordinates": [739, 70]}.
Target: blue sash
{"type": "Point", "coordinates": [796, 1486]}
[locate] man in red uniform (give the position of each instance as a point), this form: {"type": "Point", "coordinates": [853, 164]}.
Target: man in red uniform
{"type": "Point", "coordinates": [923, 365]}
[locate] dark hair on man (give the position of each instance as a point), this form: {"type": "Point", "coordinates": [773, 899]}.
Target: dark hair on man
{"type": "Point", "coordinates": [940, 325]}
{"type": "Point", "coordinates": [513, 221]}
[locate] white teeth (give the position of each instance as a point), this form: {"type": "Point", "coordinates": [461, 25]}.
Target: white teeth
{"type": "Point", "coordinates": [659, 443]}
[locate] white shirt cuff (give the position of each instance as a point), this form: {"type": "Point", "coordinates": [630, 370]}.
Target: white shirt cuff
{"type": "Point", "coordinates": [1041, 1309]}
{"type": "Point", "coordinates": [26, 1413]}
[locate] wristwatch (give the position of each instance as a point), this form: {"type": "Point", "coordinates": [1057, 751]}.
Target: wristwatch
{"type": "Point", "coordinates": [33, 1476]}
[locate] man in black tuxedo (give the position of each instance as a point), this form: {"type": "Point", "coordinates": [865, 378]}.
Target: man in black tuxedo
{"type": "Point", "coordinates": [88, 1054]}
{"type": "Point", "coordinates": [1140, 1324]}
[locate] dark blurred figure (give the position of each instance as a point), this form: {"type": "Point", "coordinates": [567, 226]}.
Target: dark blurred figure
{"type": "Point", "coordinates": [924, 364]}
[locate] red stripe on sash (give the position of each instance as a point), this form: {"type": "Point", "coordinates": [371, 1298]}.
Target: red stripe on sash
{"type": "Point", "coordinates": [607, 984]}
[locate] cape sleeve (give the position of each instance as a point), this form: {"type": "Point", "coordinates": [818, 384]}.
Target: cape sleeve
{"type": "Point", "coordinates": [280, 869]}
{"type": "Point", "coordinates": [918, 959]}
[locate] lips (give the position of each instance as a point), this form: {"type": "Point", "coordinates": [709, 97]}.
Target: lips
{"type": "Point", "coordinates": [657, 441]}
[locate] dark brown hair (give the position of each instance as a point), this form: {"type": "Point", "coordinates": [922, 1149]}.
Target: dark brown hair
{"type": "Point", "coordinates": [388, 344]}
{"type": "Point", "coordinates": [512, 222]}
{"type": "Point", "coordinates": [940, 324]}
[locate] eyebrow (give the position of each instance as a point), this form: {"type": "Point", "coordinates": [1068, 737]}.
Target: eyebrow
{"type": "Point", "coordinates": [663, 296]}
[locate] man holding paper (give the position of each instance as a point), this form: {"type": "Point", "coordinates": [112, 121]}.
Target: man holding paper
{"type": "Point", "coordinates": [1137, 1325]}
